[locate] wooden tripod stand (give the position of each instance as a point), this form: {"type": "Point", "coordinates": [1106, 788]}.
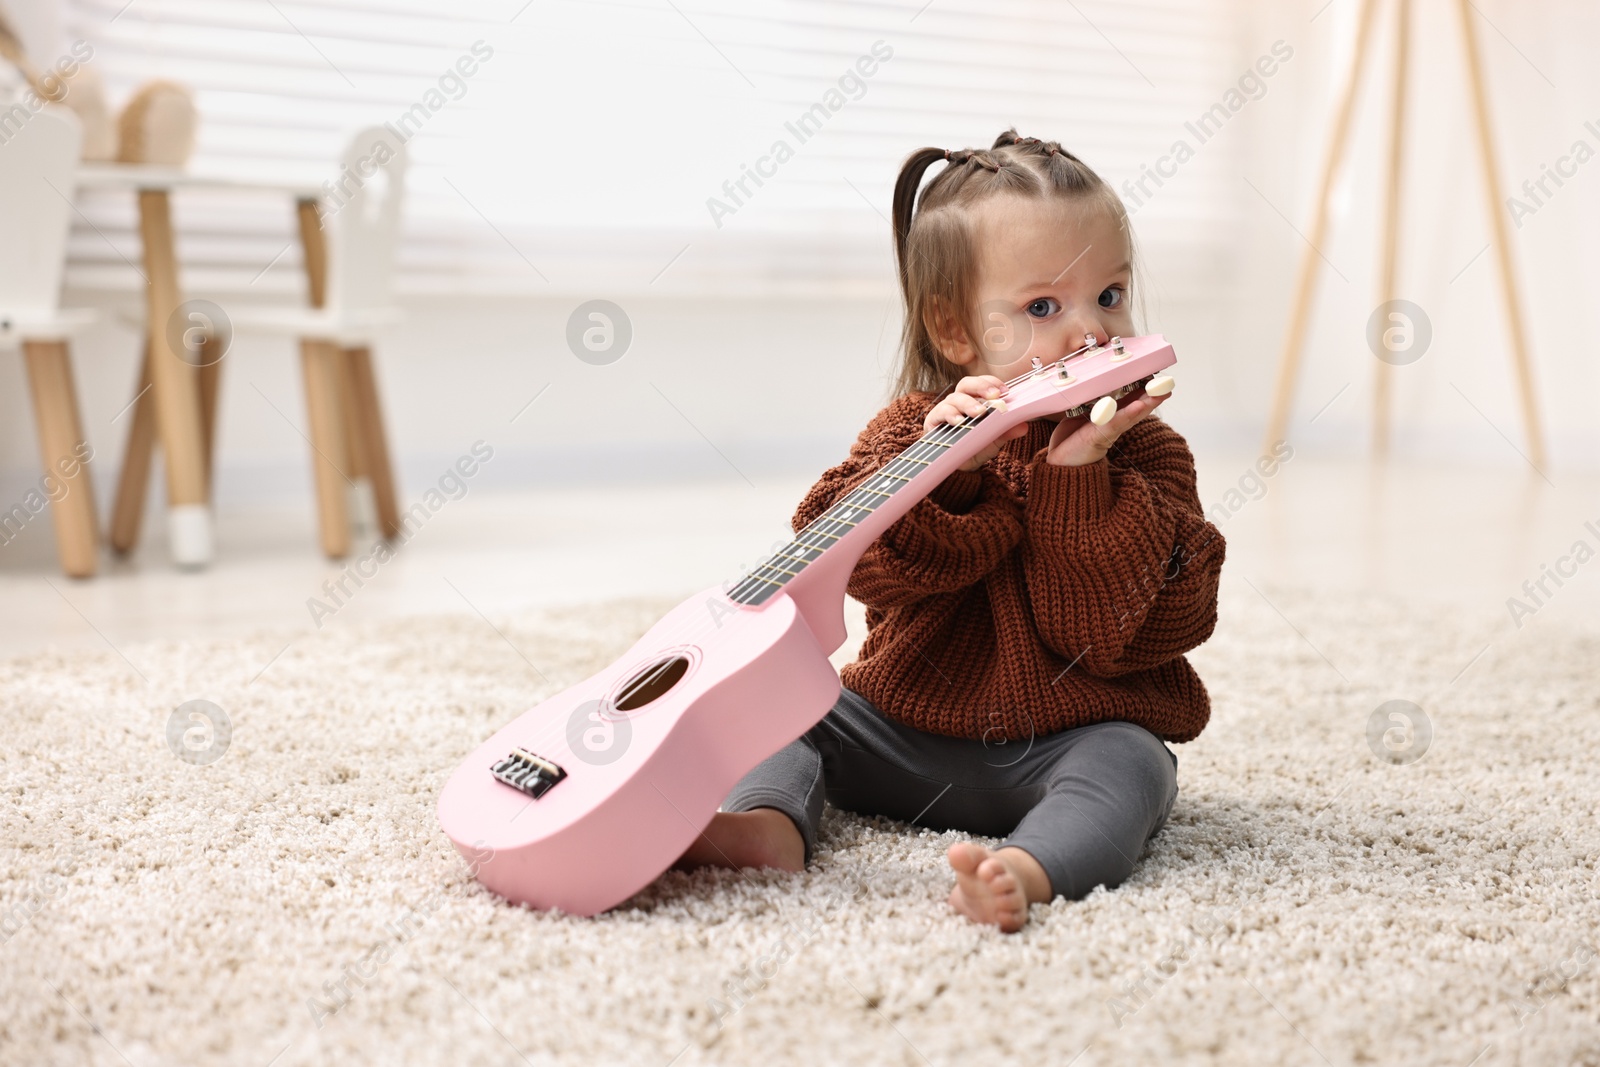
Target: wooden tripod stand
{"type": "Point", "coordinates": [1299, 317]}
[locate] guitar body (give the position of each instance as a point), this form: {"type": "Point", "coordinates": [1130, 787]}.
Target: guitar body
{"type": "Point", "coordinates": [585, 799]}
{"type": "Point", "coordinates": [635, 796]}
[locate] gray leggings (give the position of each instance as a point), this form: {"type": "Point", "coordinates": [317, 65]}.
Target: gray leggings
{"type": "Point", "coordinates": [1082, 802]}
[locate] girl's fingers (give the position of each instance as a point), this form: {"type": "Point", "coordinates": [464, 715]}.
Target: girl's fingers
{"type": "Point", "coordinates": [979, 385]}
{"type": "Point", "coordinates": [966, 406]}
{"type": "Point", "coordinates": [1127, 416]}
{"type": "Point", "coordinates": [969, 399]}
{"type": "Point", "coordinates": [1132, 412]}
{"type": "Point", "coordinates": [1151, 403]}
{"type": "Point", "coordinates": [953, 409]}
{"type": "Point", "coordinates": [1102, 438]}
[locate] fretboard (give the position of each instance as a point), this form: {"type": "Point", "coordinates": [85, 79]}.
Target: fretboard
{"type": "Point", "coordinates": [827, 529]}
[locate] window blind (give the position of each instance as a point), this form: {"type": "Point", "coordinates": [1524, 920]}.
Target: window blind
{"type": "Point", "coordinates": [609, 147]}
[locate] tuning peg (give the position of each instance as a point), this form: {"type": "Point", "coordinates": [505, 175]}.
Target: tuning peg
{"type": "Point", "coordinates": [1160, 385]}
{"type": "Point", "coordinates": [1103, 410]}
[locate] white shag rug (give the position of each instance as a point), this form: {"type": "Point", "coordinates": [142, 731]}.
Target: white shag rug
{"type": "Point", "coordinates": [294, 902]}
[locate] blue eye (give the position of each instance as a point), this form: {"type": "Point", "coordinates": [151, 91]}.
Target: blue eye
{"type": "Point", "coordinates": [1112, 297]}
{"type": "Point", "coordinates": [1043, 307]}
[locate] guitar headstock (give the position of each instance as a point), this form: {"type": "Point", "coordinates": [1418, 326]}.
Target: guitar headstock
{"type": "Point", "coordinates": [1077, 382]}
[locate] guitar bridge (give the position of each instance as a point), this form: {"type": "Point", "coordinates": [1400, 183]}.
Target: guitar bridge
{"type": "Point", "coordinates": [533, 775]}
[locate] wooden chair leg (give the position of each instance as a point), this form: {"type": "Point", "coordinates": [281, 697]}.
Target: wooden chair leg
{"type": "Point", "coordinates": [176, 391]}
{"type": "Point", "coordinates": [361, 510]}
{"type": "Point", "coordinates": [210, 384]}
{"type": "Point", "coordinates": [350, 406]}
{"type": "Point", "coordinates": [320, 362]}
{"type": "Point", "coordinates": [368, 426]}
{"type": "Point", "coordinates": [134, 482]}
{"type": "Point", "coordinates": [66, 455]}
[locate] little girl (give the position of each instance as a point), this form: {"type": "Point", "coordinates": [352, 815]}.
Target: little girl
{"type": "Point", "coordinates": [1027, 620]}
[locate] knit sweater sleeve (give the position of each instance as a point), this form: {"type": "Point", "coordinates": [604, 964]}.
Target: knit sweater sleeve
{"type": "Point", "coordinates": [947, 541]}
{"type": "Point", "coordinates": [1121, 564]}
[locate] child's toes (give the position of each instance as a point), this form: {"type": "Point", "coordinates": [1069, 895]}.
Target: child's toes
{"type": "Point", "coordinates": [965, 857]}
{"type": "Point", "coordinates": [995, 874]}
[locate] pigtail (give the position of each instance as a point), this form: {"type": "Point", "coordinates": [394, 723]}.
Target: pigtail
{"type": "Point", "coordinates": [905, 198]}
{"type": "Point", "coordinates": [1065, 172]}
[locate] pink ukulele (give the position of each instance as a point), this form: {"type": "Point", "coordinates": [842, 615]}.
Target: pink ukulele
{"type": "Point", "coordinates": [585, 799]}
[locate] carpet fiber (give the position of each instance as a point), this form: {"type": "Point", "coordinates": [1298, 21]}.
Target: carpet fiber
{"type": "Point", "coordinates": [1319, 896]}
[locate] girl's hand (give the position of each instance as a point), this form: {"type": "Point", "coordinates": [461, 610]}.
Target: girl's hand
{"type": "Point", "coordinates": [968, 399]}
{"type": "Point", "coordinates": [1076, 442]}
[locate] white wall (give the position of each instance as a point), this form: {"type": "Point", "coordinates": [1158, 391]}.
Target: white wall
{"type": "Point", "coordinates": [777, 385]}
{"type": "Point", "coordinates": [1543, 87]}
{"type": "Point", "coordinates": [784, 383]}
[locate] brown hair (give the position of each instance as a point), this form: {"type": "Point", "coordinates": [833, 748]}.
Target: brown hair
{"type": "Point", "coordinates": [933, 235]}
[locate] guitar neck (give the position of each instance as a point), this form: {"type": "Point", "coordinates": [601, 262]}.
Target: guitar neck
{"type": "Point", "coordinates": [814, 567]}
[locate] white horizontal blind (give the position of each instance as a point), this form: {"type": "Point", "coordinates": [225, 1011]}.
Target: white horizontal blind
{"type": "Point", "coordinates": [580, 156]}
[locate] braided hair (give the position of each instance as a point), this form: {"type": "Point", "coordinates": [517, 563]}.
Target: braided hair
{"type": "Point", "coordinates": [934, 250]}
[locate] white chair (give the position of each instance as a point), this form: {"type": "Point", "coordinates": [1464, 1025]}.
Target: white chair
{"type": "Point", "coordinates": [38, 176]}
{"type": "Point", "coordinates": [352, 298]}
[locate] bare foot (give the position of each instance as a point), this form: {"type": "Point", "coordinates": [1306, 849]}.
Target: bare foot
{"type": "Point", "coordinates": [996, 887]}
{"type": "Point", "coordinates": [760, 837]}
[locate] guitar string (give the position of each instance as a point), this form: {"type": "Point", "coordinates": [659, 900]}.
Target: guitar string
{"type": "Point", "coordinates": [700, 632]}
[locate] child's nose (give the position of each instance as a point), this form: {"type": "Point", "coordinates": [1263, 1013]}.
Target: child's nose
{"type": "Point", "coordinates": [1085, 331]}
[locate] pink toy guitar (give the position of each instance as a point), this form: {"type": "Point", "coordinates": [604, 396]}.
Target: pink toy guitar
{"type": "Point", "coordinates": [585, 799]}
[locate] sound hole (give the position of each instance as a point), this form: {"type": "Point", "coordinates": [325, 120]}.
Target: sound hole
{"type": "Point", "coordinates": [650, 682]}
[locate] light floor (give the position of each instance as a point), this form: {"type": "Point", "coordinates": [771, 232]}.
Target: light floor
{"type": "Point", "coordinates": [1321, 894]}
{"type": "Point", "coordinates": [1465, 539]}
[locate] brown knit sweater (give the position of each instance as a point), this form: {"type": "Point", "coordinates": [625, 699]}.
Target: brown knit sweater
{"type": "Point", "coordinates": [1025, 597]}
